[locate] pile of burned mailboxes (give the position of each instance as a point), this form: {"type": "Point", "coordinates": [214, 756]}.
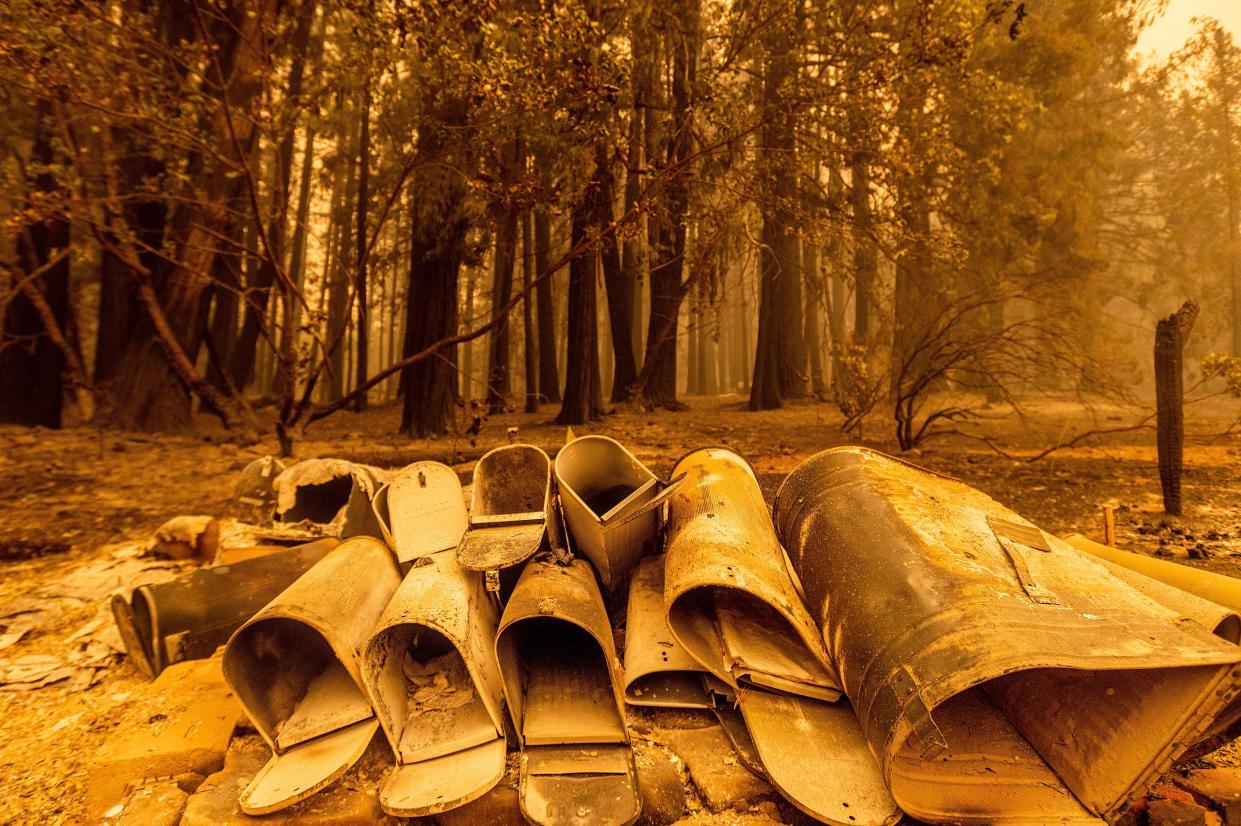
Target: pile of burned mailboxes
{"type": "Point", "coordinates": [889, 640]}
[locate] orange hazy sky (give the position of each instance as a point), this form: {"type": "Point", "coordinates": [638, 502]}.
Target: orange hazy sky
{"type": "Point", "coordinates": [1169, 33]}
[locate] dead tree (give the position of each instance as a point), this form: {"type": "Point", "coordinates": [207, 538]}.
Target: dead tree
{"type": "Point", "coordinates": [1170, 336]}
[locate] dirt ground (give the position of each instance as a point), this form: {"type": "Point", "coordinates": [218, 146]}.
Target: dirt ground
{"type": "Point", "coordinates": [70, 500]}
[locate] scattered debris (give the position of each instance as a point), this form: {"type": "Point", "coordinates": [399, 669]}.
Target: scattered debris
{"type": "Point", "coordinates": [181, 725]}
{"type": "Point", "coordinates": [188, 537]}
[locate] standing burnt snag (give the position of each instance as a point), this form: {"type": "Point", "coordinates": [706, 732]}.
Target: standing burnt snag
{"type": "Point", "coordinates": [1170, 336]}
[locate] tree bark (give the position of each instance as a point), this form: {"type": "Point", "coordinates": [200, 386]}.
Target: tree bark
{"type": "Point", "coordinates": [467, 349]}
{"type": "Point", "coordinates": [150, 390]}
{"type": "Point", "coordinates": [431, 315]}
{"type": "Point", "coordinates": [778, 360]}
{"type": "Point", "coordinates": [1170, 336]}
{"type": "Point", "coordinates": [616, 281]}
{"type": "Point", "coordinates": [670, 233]}
{"type": "Point", "coordinates": [529, 347]}
{"type": "Point", "coordinates": [360, 251]}
{"type": "Point", "coordinates": [336, 279]}
{"type": "Point", "coordinates": [865, 259]}
{"type": "Point", "coordinates": [549, 375]}
{"type": "Point", "coordinates": [504, 263]}
{"type": "Point", "coordinates": [32, 364]}
{"type": "Point", "coordinates": [813, 325]}
{"type": "Point", "coordinates": [582, 395]}
{"type": "Point", "coordinates": [1226, 77]}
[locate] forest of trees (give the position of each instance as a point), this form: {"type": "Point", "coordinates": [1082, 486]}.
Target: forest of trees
{"type": "Point", "coordinates": [272, 210]}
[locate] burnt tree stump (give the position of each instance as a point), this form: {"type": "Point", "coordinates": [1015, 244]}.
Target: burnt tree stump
{"type": "Point", "coordinates": [1170, 336]}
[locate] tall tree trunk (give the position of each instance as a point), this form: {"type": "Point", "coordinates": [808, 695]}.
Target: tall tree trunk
{"type": "Point", "coordinates": [582, 395]}
{"type": "Point", "coordinates": [297, 257]}
{"type": "Point", "coordinates": [336, 277]}
{"type": "Point", "coordinates": [833, 290]}
{"type": "Point", "coordinates": [813, 325]}
{"type": "Point", "coordinates": [632, 248]}
{"type": "Point", "coordinates": [431, 316]}
{"type": "Point", "coordinates": [504, 263]}
{"type": "Point", "coordinates": [32, 364]}
{"type": "Point", "coordinates": [527, 314]}
{"type": "Point", "coordinates": [706, 352]}
{"type": "Point", "coordinates": [467, 349]}
{"type": "Point", "coordinates": [693, 384]}
{"type": "Point", "coordinates": [241, 357]}
{"type": "Point", "coordinates": [865, 258]}
{"type": "Point", "coordinates": [659, 386]}
{"type": "Point", "coordinates": [119, 310]}
{"type": "Point", "coordinates": [549, 375]}
{"type": "Point", "coordinates": [438, 228]}
{"type": "Point", "coordinates": [616, 281]}
{"type": "Point", "coordinates": [224, 312]}
{"type": "Point", "coordinates": [1226, 77]}
{"type": "Point", "coordinates": [360, 250]}
{"type": "Point", "coordinates": [155, 372]}
{"type": "Point", "coordinates": [778, 360]}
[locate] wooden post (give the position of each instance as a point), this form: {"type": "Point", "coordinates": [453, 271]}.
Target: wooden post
{"type": "Point", "coordinates": [1109, 526]}
{"type": "Point", "coordinates": [1170, 336]}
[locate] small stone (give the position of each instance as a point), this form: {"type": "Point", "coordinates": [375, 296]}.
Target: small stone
{"type": "Point", "coordinates": [659, 783]}
{"type": "Point", "coordinates": [1219, 787]}
{"type": "Point", "coordinates": [1175, 813]}
{"type": "Point", "coordinates": [216, 799]}
{"type": "Point", "coordinates": [159, 804]}
{"type": "Point", "coordinates": [181, 725]}
{"type": "Point", "coordinates": [498, 807]}
{"type": "Point", "coordinates": [723, 785]}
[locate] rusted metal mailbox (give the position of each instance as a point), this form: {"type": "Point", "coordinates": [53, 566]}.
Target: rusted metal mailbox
{"type": "Point", "coordinates": [999, 675]}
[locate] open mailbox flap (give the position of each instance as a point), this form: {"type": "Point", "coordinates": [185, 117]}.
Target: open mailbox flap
{"type": "Point", "coordinates": [510, 502]}
{"type": "Point", "coordinates": [431, 675]}
{"type": "Point", "coordinates": [294, 668]}
{"type": "Point", "coordinates": [734, 607]}
{"type": "Point", "coordinates": [562, 684]}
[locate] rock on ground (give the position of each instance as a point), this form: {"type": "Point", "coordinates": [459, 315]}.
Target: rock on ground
{"type": "Point", "coordinates": [715, 770]}
{"type": "Point", "coordinates": [182, 725]}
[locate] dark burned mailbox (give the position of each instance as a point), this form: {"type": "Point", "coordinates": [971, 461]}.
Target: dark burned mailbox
{"type": "Point", "coordinates": [998, 674]}
{"type": "Point", "coordinates": [189, 617]}
{"type": "Point", "coordinates": [295, 668]}
{"type": "Point", "coordinates": [330, 492]}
